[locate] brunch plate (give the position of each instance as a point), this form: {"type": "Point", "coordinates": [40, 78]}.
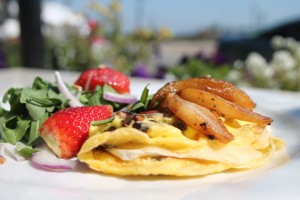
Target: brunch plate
{"type": "Point", "coordinates": [279, 179]}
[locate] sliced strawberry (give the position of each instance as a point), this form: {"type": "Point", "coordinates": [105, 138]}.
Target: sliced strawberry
{"type": "Point", "coordinates": [66, 130]}
{"type": "Point", "coordinates": [104, 75]}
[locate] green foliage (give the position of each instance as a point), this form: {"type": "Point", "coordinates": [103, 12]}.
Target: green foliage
{"type": "Point", "coordinates": [198, 68]}
{"type": "Point", "coordinates": [29, 108]}
{"type": "Point", "coordinates": [71, 54]}
{"type": "Point", "coordinates": [12, 53]}
{"type": "Point", "coordinates": [142, 104]}
{"type": "Point", "coordinates": [105, 44]}
{"type": "Point", "coordinates": [90, 98]}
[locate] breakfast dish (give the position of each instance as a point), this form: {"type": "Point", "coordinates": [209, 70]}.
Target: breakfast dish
{"type": "Point", "coordinates": [80, 183]}
{"type": "Point", "coordinates": [207, 134]}
{"type": "Point", "coordinates": [190, 127]}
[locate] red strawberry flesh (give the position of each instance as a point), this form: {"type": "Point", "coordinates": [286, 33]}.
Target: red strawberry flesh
{"type": "Point", "coordinates": [66, 130]}
{"type": "Point", "coordinates": [100, 76]}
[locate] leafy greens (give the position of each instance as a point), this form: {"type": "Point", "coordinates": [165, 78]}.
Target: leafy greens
{"type": "Point", "coordinates": [30, 107]}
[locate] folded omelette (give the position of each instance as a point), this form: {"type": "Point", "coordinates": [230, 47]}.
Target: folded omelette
{"type": "Point", "coordinates": [162, 145]}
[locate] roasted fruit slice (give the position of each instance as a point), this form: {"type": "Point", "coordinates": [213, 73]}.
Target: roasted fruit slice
{"type": "Point", "coordinates": [199, 118]}
{"type": "Point", "coordinates": [104, 75]}
{"type": "Point", "coordinates": [66, 130]}
{"type": "Point", "coordinates": [223, 107]}
{"type": "Point", "coordinates": [221, 88]}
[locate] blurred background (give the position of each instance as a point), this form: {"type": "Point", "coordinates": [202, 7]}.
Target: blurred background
{"type": "Point", "coordinates": [250, 42]}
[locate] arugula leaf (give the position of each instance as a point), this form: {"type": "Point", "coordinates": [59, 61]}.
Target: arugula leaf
{"type": "Point", "coordinates": [58, 96]}
{"type": "Point", "coordinates": [101, 122]}
{"type": "Point", "coordinates": [12, 135]}
{"type": "Point", "coordinates": [29, 108]}
{"type": "Point", "coordinates": [29, 93]}
{"type": "Point", "coordinates": [35, 112]}
{"type": "Point", "coordinates": [144, 97]}
{"type": "Point", "coordinates": [107, 88]}
{"type": "Point", "coordinates": [34, 127]}
{"type": "Point", "coordinates": [39, 83]}
{"type": "Point", "coordinates": [53, 95]}
{"type": "Point", "coordinates": [2, 111]}
{"type": "Point", "coordinates": [84, 98]}
{"type": "Point", "coordinates": [95, 98]}
{"type": "Point", "coordinates": [137, 106]}
{"type": "Point", "coordinates": [142, 104]}
{"type": "Point", "coordinates": [25, 150]}
{"type": "Point", "coordinates": [12, 96]}
{"type": "Point", "coordinates": [37, 101]}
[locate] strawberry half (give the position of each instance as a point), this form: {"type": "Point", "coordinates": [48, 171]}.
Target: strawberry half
{"type": "Point", "coordinates": [104, 75]}
{"type": "Point", "coordinates": [66, 130]}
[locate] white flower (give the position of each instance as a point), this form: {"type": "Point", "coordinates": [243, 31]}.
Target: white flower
{"type": "Point", "coordinates": [283, 60]}
{"type": "Point", "coordinates": [291, 44]}
{"type": "Point", "coordinates": [269, 72]}
{"type": "Point", "coordinates": [277, 42]}
{"type": "Point", "coordinates": [238, 64]}
{"type": "Point", "coordinates": [292, 76]}
{"type": "Point", "coordinates": [234, 75]}
{"type": "Point", "coordinates": [255, 63]}
{"type": "Point", "coordinates": [255, 59]}
{"type": "Point", "coordinates": [297, 52]}
{"type": "Point", "coordinates": [282, 72]}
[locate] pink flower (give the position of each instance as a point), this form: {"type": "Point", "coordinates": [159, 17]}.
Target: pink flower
{"type": "Point", "coordinates": [92, 24]}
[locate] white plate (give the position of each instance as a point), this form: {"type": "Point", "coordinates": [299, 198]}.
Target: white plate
{"type": "Point", "coordinates": [278, 180]}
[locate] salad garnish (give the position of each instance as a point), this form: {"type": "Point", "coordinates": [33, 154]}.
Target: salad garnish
{"type": "Point", "coordinates": [29, 107]}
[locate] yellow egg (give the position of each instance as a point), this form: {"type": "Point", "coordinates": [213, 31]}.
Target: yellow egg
{"type": "Point", "coordinates": [162, 149]}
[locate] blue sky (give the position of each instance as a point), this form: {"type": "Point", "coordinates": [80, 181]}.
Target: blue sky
{"type": "Point", "coordinates": [189, 16]}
